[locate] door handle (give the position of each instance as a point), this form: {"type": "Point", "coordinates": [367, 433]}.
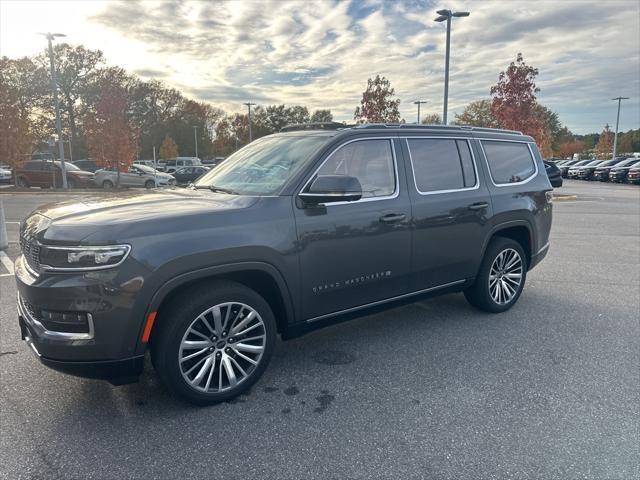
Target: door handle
{"type": "Point", "coordinates": [393, 218]}
{"type": "Point", "coordinates": [478, 206]}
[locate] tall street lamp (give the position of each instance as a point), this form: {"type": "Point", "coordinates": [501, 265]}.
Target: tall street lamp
{"type": "Point", "coordinates": [615, 138]}
{"type": "Point", "coordinates": [195, 138]}
{"type": "Point", "coordinates": [54, 88]}
{"type": "Point", "coordinates": [248, 104]}
{"type": "Point", "coordinates": [447, 15]}
{"type": "Point", "coordinates": [419, 102]}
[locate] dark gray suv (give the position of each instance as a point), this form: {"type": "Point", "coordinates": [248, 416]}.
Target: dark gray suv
{"type": "Point", "coordinates": [291, 232]}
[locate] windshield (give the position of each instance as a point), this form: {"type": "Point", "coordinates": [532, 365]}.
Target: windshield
{"type": "Point", "coordinates": [264, 166]}
{"type": "Point", "coordinates": [67, 166]}
{"type": "Point", "coordinates": [144, 168]}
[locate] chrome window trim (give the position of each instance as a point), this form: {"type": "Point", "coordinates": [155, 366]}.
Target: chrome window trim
{"type": "Point", "coordinates": [362, 200]}
{"type": "Point", "coordinates": [49, 268]}
{"type": "Point", "coordinates": [452, 190]}
{"type": "Point", "coordinates": [53, 334]}
{"type": "Point", "coordinates": [533, 158]}
{"type": "Point", "coordinates": [380, 302]}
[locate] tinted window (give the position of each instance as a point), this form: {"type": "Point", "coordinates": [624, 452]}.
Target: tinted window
{"type": "Point", "coordinates": [370, 161]}
{"type": "Point", "coordinates": [33, 166]}
{"type": "Point", "coordinates": [509, 162]}
{"type": "Point", "coordinates": [441, 164]}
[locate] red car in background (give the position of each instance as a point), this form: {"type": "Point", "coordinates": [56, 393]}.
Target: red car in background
{"type": "Point", "coordinates": [48, 174]}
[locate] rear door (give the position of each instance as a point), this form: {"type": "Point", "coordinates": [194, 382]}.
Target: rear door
{"type": "Point", "coordinates": [451, 209]}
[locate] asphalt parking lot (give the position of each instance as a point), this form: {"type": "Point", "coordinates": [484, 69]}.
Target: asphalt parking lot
{"type": "Point", "coordinates": [435, 389]}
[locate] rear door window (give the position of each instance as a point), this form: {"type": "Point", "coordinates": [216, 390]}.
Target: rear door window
{"type": "Point", "coordinates": [509, 162]}
{"type": "Point", "coordinates": [441, 165]}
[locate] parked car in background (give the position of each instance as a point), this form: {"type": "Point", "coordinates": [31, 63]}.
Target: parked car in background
{"type": "Point", "coordinates": [633, 176]}
{"type": "Point", "coordinates": [574, 171]}
{"type": "Point", "coordinates": [586, 172]}
{"type": "Point", "coordinates": [5, 174]}
{"type": "Point", "coordinates": [564, 168]}
{"type": "Point", "coordinates": [186, 175]}
{"type": "Point", "coordinates": [553, 172]}
{"type": "Point", "coordinates": [147, 163]}
{"type": "Point", "coordinates": [602, 172]}
{"type": "Point", "coordinates": [212, 162]}
{"type": "Point", "coordinates": [170, 166]}
{"type": "Point", "coordinates": [86, 165]}
{"type": "Point", "coordinates": [43, 173]}
{"type": "Point", "coordinates": [618, 174]}
{"type": "Point", "coordinates": [134, 176]}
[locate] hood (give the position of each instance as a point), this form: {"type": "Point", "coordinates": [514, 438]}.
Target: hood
{"type": "Point", "coordinates": [118, 214]}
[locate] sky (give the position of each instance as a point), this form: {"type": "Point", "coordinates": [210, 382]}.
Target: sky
{"type": "Point", "coordinates": [321, 53]}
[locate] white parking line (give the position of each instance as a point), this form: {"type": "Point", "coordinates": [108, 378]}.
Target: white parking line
{"type": "Point", "coordinates": [8, 264]}
{"type": "Point", "coordinates": [12, 223]}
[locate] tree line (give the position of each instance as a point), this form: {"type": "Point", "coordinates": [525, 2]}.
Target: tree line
{"type": "Point", "coordinates": [109, 114]}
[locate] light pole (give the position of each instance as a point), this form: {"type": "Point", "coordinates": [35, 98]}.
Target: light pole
{"type": "Point", "coordinates": [248, 104]}
{"type": "Point", "coordinates": [447, 15]}
{"type": "Point", "coordinates": [419, 102]}
{"type": "Point", "coordinates": [195, 138]}
{"type": "Point", "coordinates": [54, 88]}
{"type": "Point", "coordinates": [615, 137]}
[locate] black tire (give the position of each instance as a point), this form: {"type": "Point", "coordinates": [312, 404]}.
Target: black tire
{"type": "Point", "coordinates": [107, 184]}
{"type": "Point", "coordinates": [177, 317]}
{"type": "Point", "coordinates": [479, 294]}
{"type": "Point", "coordinates": [149, 184]}
{"type": "Point", "coordinates": [22, 182]}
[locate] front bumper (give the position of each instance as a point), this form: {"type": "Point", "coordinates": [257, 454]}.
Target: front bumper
{"type": "Point", "coordinates": [115, 308]}
{"type": "Point", "coordinates": [117, 372]}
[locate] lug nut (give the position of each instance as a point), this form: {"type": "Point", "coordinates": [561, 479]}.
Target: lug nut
{"type": "Point", "coordinates": [227, 350]}
{"type": "Point", "coordinates": [231, 340]}
{"type": "Point", "coordinates": [224, 334]}
{"type": "Point", "coordinates": [211, 349]}
{"type": "Point", "coordinates": [218, 354]}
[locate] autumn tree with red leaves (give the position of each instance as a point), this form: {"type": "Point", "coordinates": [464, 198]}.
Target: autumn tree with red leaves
{"type": "Point", "coordinates": [604, 147]}
{"type": "Point", "coordinates": [111, 139]}
{"type": "Point", "coordinates": [514, 103]}
{"type": "Point", "coordinates": [570, 147]}
{"type": "Point", "coordinates": [377, 104]}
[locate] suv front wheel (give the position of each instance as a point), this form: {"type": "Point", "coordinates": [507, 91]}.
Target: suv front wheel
{"type": "Point", "coordinates": [501, 278]}
{"type": "Point", "coordinates": [213, 342]}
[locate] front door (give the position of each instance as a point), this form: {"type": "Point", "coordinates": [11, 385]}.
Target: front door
{"type": "Point", "coordinates": [451, 210]}
{"type": "Point", "coordinates": [355, 253]}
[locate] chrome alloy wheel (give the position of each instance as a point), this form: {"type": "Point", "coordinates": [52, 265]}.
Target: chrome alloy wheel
{"type": "Point", "coordinates": [505, 276]}
{"type": "Point", "coordinates": [222, 347]}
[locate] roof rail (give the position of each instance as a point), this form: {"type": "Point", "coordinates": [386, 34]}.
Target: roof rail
{"type": "Point", "coordinates": [315, 126]}
{"type": "Point", "coordinates": [436, 127]}
{"type": "Point", "coordinates": [339, 126]}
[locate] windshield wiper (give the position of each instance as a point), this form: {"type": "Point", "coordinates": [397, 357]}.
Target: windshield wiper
{"type": "Point", "coordinates": [213, 188]}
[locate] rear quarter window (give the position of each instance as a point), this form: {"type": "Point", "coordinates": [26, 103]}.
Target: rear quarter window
{"type": "Point", "coordinates": [509, 162]}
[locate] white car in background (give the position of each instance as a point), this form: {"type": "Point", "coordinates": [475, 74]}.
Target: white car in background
{"type": "Point", "coordinates": [5, 174]}
{"type": "Point", "coordinates": [170, 166]}
{"type": "Point", "coordinates": [134, 176]}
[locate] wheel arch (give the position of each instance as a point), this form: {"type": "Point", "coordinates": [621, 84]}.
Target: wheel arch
{"type": "Point", "coordinates": [261, 277]}
{"type": "Point", "coordinates": [518, 230]}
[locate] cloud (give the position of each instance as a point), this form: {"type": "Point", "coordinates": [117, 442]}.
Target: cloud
{"type": "Point", "coordinates": [321, 53]}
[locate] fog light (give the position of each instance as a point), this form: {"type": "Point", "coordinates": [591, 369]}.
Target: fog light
{"type": "Point", "coordinates": [69, 322]}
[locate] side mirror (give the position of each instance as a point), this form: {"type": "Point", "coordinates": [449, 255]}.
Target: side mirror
{"type": "Point", "coordinates": [332, 188]}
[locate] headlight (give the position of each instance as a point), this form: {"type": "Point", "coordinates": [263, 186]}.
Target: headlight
{"type": "Point", "coordinates": [69, 259]}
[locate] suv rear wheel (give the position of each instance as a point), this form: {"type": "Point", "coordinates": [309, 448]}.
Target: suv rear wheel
{"type": "Point", "coordinates": [501, 278]}
{"type": "Point", "coordinates": [107, 184]}
{"type": "Point", "coordinates": [213, 343]}
{"type": "Point", "coordinates": [149, 184]}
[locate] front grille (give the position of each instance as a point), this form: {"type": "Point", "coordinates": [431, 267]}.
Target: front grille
{"type": "Point", "coordinates": [31, 251]}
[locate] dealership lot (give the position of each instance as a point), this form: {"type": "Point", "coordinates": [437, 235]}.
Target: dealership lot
{"type": "Point", "coordinates": [434, 389]}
